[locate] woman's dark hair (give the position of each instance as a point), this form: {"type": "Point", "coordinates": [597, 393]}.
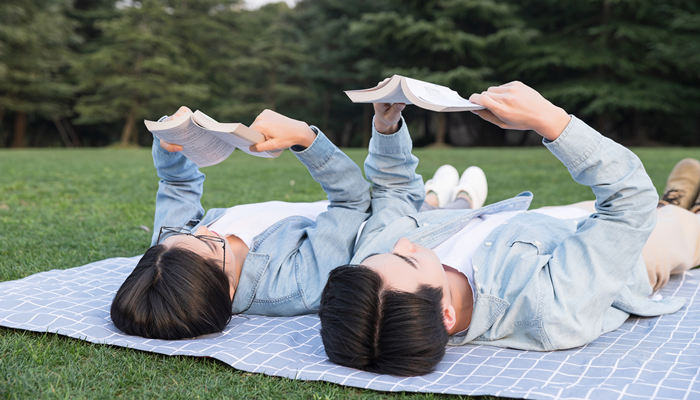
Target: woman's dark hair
{"type": "Point", "coordinates": [173, 293]}
{"type": "Point", "coordinates": [381, 330]}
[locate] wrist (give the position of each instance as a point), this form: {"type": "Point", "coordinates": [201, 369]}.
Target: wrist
{"type": "Point", "coordinates": [385, 127]}
{"type": "Point", "coordinates": [553, 123]}
{"type": "Point", "coordinates": [307, 136]}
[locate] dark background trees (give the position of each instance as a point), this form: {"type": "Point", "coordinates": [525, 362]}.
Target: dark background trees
{"type": "Point", "coordinates": [77, 72]}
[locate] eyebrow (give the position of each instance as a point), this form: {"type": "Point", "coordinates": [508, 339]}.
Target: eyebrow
{"type": "Point", "coordinates": [407, 260]}
{"type": "Point", "coordinates": [209, 244]}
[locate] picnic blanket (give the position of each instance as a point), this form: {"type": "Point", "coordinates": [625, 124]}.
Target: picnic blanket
{"type": "Point", "coordinates": [646, 358]}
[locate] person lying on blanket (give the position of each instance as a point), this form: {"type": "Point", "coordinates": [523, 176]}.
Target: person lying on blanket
{"type": "Point", "coordinates": [268, 259]}
{"type": "Point", "coordinates": [499, 275]}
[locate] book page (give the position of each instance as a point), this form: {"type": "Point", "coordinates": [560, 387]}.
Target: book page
{"type": "Point", "coordinates": [438, 95]}
{"type": "Point", "coordinates": [200, 145]}
{"type": "Point", "coordinates": [235, 134]}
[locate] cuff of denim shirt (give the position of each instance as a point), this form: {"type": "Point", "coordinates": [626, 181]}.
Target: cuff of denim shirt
{"type": "Point", "coordinates": [576, 143]}
{"type": "Point", "coordinates": [395, 143]}
{"type": "Point", "coordinates": [169, 165]}
{"type": "Point", "coordinates": [319, 153]}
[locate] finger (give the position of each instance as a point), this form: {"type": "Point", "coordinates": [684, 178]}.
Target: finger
{"type": "Point", "coordinates": [490, 117]}
{"type": "Point", "coordinates": [171, 147]}
{"type": "Point", "coordinates": [383, 81]}
{"type": "Point", "coordinates": [182, 110]}
{"type": "Point", "coordinates": [486, 100]}
{"type": "Point", "coordinates": [259, 126]}
{"type": "Point", "coordinates": [394, 113]}
{"type": "Point", "coordinates": [498, 89]}
{"type": "Point", "coordinates": [399, 106]}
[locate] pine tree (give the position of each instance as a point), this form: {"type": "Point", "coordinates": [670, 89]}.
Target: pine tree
{"type": "Point", "coordinates": [35, 39]}
{"type": "Point", "coordinates": [260, 66]}
{"type": "Point", "coordinates": [140, 69]}
{"type": "Point", "coordinates": [456, 43]}
{"type": "Point", "coordinates": [629, 67]}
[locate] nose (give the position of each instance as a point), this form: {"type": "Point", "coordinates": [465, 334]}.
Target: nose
{"type": "Point", "coordinates": [203, 230]}
{"type": "Point", "coordinates": [404, 246]}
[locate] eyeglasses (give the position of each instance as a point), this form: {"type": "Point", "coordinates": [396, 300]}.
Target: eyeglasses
{"type": "Point", "coordinates": [171, 230]}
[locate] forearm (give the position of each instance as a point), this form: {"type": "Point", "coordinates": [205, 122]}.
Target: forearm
{"type": "Point", "coordinates": [391, 167]}
{"type": "Point", "coordinates": [337, 174]}
{"type": "Point", "coordinates": [179, 189]}
{"type": "Point", "coordinates": [624, 193]}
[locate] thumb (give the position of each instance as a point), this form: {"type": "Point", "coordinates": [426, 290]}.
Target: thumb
{"type": "Point", "coordinates": [268, 145]}
{"type": "Point", "coordinates": [490, 117]}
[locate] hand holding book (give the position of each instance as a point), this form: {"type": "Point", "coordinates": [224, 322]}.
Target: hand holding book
{"type": "Point", "coordinates": [517, 106]}
{"type": "Point", "coordinates": [281, 132]}
{"type": "Point", "coordinates": [387, 117]}
{"type": "Point", "coordinates": [202, 139]}
{"type": "Point", "coordinates": [400, 89]}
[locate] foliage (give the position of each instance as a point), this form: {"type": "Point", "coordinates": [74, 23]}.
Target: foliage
{"type": "Point", "coordinates": [35, 56]}
{"type": "Point", "coordinates": [629, 67]}
{"type": "Point", "coordinates": [139, 70]}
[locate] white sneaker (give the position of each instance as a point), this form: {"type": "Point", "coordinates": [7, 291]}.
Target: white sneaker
{"type": "Point", "coordinates": [443, 184]}
{"type": "Point", "coordinates": [473, 184]}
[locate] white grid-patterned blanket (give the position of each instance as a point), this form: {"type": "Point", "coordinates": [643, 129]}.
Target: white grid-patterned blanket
{"type": "Point", "coordinates": [646, 358]}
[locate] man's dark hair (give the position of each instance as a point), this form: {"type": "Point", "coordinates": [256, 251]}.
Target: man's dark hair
{"type": "Point", "coordinates": [377, 329]}
{"type": "Point", "coordinates": [173, 293]}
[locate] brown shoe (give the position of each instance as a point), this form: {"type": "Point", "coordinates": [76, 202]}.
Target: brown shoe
{"type": "Point", "coordinates": [683, 184]}
{"type": "Point", "coordinates": [696, 207]}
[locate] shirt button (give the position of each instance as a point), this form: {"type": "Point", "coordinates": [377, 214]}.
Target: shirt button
{"type": "Point", "coordinates": [537, 243]}
{"type": "Point", "coordinates": [476, 268]}
{"type": "Point", "coordinates": [487, 244]}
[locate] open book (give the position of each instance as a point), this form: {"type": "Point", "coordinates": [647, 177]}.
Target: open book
{"type": "Point", "coordinates": [205, 141]}
{"type": "Point", "coordinates": [400, 89]}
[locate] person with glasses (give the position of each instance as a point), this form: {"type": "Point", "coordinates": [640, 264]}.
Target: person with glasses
{"type": "Point", "coordinates": [268, 258]}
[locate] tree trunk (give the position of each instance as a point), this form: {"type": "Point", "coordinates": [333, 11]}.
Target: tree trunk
{"type": "Point", "coordinates": [19, 139]}
{"type": "Point", "coordinates": [62, 132]}
{"type": "Point", "coordinates": [326, 110]}
{"type": "Point", "coordinates": [346, 134]}
{"type": "Point", "coordinates": [441, 129]}
{"type": "Point", "coordinates": [366, 122]}
{"type": "Point", "coordinates": [129, 128]}
{"type": "Point", "coordinates": [72, 134]}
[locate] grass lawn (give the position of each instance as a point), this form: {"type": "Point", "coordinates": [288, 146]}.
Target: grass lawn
{"type": "Point", "coordinates": [64, 208]}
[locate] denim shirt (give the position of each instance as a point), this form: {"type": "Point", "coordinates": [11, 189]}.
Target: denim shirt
{"type": "Point", "coordinates": [541, 284]}
{"type": "Point", "coordinates": [288, 264]}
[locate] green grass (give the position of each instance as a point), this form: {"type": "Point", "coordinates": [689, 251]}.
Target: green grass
{"type": "Point", "coordinates": [65, 208]}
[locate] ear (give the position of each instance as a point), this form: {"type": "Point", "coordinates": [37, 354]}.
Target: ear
{"type": "Point", "coordinates": [449, 317]}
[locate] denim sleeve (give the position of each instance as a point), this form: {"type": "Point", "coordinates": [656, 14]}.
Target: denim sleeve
{"type": "Point", "coordinates": [337, 174]}
{"type": "Point", "coordinates": [391, 168]}
{"type": "Point", "coordinates": [179, 189]}
{"type": "Point", "coordinates": [589, 268]}
{"type": "Point", "coordinates": [330, 241]}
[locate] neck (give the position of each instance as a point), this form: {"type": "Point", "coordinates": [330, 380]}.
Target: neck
{"type": "Point", "coordinates": [240, 251]}
{"type": "Point", "coordinates": [462, 299]}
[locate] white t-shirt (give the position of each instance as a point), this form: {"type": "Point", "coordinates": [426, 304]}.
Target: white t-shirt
{"type": "Point", "coordinates": [457, 251]}
{"type": "Point", "coordinates": [249, 220]}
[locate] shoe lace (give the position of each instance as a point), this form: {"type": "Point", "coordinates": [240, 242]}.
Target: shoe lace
{"type": "Point", "coordinates": [673, 196]}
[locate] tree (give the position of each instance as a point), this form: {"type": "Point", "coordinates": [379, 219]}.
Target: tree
{"type": "Point", "coordinates": [259, 65]}
{"type": "Point", "coordinates": [35, 39]}
{"type": "Point", "coordinates": [139, 70]}
{"type": "Point", "coordinates": [629, 66]}
{"type": "Point", "coordinates": [455, 43]}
